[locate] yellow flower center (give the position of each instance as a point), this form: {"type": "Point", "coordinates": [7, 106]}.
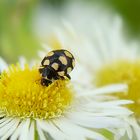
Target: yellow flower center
{"type": "Point", "coordinates": [123, 72]}
{"type": "Point", "coordinates": [22, 95]}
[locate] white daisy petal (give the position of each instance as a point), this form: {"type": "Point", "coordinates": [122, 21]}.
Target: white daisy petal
{"type": "Point", "coordinates": [25, 130]}
{"type": "Point", "coordinates": [77, 132]}
{"type": "Point", "coordinates": [31, 133]}
{"type": "Point", "coordinates": [52, 130]}
{"type": "Point", "coordinates": [3, 65]}
{"type": "Point", "coordinates": [10, 131]}
{"type": "Point", "coordinates": [87, 120]}
{"type": "Point", "coordinates": [135, 126]}
{"type": "Point", "coordinates": [22, 61]}
{"type": "Point", "coordinates": [40, 133]}
{"type": "Point", "coordinates": [107, 104]}
{"type": "Point", "coordinates": [107, 111]}
{"type": "Point", "coordinates": [112, 88]}
{"type": "Point", "coordinates": [5, 128]}
{"type": "Point", "coordinates": [5, 121]}
{"type": "Point", "coordinates": [107, 90]}
{"type": "Point", "coordinates": [16, 134]}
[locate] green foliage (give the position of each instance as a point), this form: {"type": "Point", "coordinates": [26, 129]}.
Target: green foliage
{"type": "Point", "coordinates": [16, 36]}
{"type": "Point", "coordinates": [130, 11]}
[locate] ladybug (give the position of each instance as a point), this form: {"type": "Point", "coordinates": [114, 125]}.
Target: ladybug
{"type": "Point", "coordinates": [56, 65]}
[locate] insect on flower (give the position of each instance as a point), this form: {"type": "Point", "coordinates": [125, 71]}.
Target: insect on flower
{"type": "Point", "coordinates": [56, 65]}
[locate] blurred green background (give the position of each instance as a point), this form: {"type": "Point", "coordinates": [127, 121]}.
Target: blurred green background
{"type": "Point", "coordinates": [16, 33]}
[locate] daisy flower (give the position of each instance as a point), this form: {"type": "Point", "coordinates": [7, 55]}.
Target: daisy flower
{"type": "Point", "coordinates": [61, 111]}
{"type": "Point", "coordinates": [100, 47]}
{"type": "Point", "coordinates": [119, 61]}
{"type": "Point", "coordinates": [107, 56]}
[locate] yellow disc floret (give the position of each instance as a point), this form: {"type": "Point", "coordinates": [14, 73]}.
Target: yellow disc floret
{"type": "Point", "coordinates": [123, 72]}
{"type": "Point", "coordinates": [22, 95]}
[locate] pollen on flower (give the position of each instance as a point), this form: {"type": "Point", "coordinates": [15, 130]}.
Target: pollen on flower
{"type": "Point", "coordinates": [22, 95]}
{"type": "Point", "coordinates": [123, 72]}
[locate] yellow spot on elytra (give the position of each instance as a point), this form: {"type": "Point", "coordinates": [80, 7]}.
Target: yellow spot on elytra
{"type": "Point", "coordinates": [63, 60]}
{"type": "Point", "coordinates": [68, 54]}
{"type": "Point", "coordinates": [69, 69]}
{"type": "Point", "coordinates": [61, 73]}
{"type": "Point", "coordinates": [55, 66]}
{"type": "Point", "coordinates": [22, 95]}
{"type": "Point", "coordinates": [123, 72]}
{"type": "Point", "coordinates": [50, 53]}
{"type": "Point", "coordinates": [46, 62]}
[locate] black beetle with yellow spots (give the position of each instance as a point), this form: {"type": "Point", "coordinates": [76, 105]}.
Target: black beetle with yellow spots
{"type": "Point", "coordinates": [56, 65]}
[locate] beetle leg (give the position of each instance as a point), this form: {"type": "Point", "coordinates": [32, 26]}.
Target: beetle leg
{"type": "Point", "coordinates": [68, 76]}
{"type": "Point", "coordinates": [55, 77]}
{"type": "Point", "coordinates": [45, 82]}
{"type": "Point", "coordinates": [40, 70]}
{"type": "Point", "coordinates": [62, 77]}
